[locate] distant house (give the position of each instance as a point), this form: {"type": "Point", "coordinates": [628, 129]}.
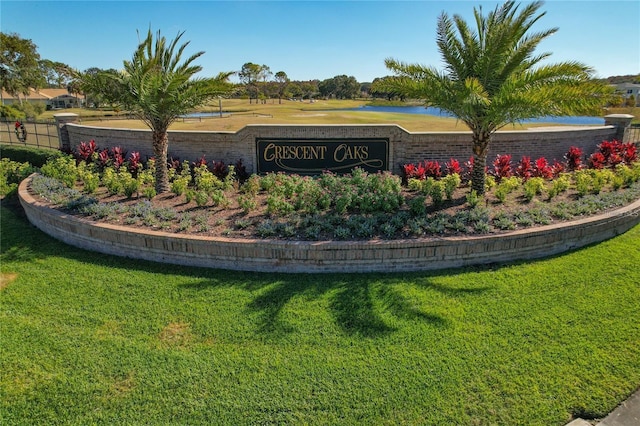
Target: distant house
{"type": "Point", "coordinates": [627, 90]}
{"type": "Point", "coordinates": [51, 98]}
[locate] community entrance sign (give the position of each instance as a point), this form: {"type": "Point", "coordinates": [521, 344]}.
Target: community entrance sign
{"type": "Point", "coordinates": [314, 156]}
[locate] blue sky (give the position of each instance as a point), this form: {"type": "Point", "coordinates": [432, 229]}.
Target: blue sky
{"type": "Point", "coordinates": [309, 39]}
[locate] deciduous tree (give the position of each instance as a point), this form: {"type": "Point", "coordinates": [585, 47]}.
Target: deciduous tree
{"type": "Point", "coordinates": [19, 65]}
{"type": "Point", "coordinates": [282, 82]}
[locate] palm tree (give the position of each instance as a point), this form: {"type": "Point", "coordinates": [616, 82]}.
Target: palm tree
{"type": "Point", "coordinates": [158, 88]}
{"type": "Point", "coordinates": [492, 77]}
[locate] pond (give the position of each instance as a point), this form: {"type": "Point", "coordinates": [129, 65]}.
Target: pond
{"type": "Point", "coordinates": [577, 120]}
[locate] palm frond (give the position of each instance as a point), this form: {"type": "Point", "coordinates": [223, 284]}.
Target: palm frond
{"type": "Point", "coordinates": [492, 74]}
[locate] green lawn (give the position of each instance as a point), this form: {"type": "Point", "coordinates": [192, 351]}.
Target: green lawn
{"type": "Point", "coordinates": [93, 339]}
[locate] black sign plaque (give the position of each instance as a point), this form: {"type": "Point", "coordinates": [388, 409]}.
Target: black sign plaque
{"type": "Point", "coordinates": [314, 156]}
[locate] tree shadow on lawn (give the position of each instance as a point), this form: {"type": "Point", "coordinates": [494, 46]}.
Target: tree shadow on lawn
{"type": "Point", "coordinates": [358, 302]}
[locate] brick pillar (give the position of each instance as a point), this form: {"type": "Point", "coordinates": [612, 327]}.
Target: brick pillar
{"type": "Point", "coordinates": [63, 135]}
{"type": "Point", "coordinates": [620, 121]}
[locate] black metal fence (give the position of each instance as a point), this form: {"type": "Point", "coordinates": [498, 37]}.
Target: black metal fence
{"type": "Point", "coordinates": [34, 133]}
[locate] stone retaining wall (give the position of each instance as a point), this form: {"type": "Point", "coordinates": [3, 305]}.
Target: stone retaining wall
{"type": "Point", "coordinates": [325, 256]}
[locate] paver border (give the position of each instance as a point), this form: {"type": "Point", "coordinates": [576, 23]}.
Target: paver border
{"type": "Point", "coordinates": [418, 254]}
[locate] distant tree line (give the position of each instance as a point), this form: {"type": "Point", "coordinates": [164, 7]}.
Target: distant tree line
{"type": "Point", "coordinates": [22, 69]}
{"type": "Point", "coordinates": [618, 79]}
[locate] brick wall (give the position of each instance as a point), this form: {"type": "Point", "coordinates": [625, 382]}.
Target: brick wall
{"type": "Point", "coordinates": [405, 147]}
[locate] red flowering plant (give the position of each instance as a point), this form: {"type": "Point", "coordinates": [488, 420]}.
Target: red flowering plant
{"type": "Point", "coordinates": [202, 161]}
{"type": "Point", "coordinates": [574, 158]}
{"type": "Point", "coordinates": [85, 151]}
{"type": "Point", "coordinates": [241, 171]}
{"type": "Point", "coordinates": [103, 160]}
{"type": "Point", "coordinates": [432, 169]}
{"type": "Point", "coordinates": [597, 161]}
{"type": "Point", "coordinates": [413, 171]}
{"type": "Point", "coordinates": [608, 148]}
{"type": "Point", "coordinates": [558, 168]}
{"type": "Point", "coordinates": [502, 167]}
{"type": "Point", "coordinates": [426, 169]}
{"type": "Point", "coordinates": [524, 168]}
{"type": "Point", "coordinates": [616, 152]}
{"type": "Point", "coordinates": [468, 166]}
{"type": "Point", "coordinates": [629, 152]}
{"type": "Point", "coordinates": [453, 167]}
{"type": "Point", "coordinates": [220, 170]}
{"type": "Point", "coordinates": [134, 163]}
{"type": "Point", "coordinates": [543, 169]}
{"type": "Point", "coordinates": [118, 155]}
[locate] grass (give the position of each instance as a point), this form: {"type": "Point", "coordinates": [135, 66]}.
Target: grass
{"type": "Point", "coordinates": [87, 338]}
{"type": "Point", "coordinates": [304, 113]}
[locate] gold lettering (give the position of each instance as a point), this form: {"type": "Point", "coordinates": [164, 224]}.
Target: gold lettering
{"type": "Point", "coordinates": [273, 152]}
{"type": "Point", "coordinates": [363, 152]}
{"type": "Point", "coordinates": [344, 152]}
{"type": "Point", "coordinates": [268, 154]}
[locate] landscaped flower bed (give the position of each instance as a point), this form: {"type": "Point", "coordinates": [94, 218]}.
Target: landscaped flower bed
{"type": "Point", "coordinates": [210, 198]}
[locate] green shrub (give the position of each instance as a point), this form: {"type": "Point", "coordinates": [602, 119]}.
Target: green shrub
{"type": "Point", "coordinates": [278, 205]}
{"type": "Point", "coordinates": [287, 184]}
{"type": "Point", "coordinates": [247, 203]}
{"type": "Point", "coordinates": [252, 185]}
{"type": "Point", "coordinates": [635, 170]}
{"type": "Point", "coordinates": [201, 198]}
{"type": "Point", "coordinates": [559, 185]}
{"type": "Point", "coordinates": [504, 222]}
{"type": "Point", "coordinates": [533, 187]}
{"type": "Point", "coordinates": [268, 182]}
{"type": "Point", "coordinates": [307, 196]}
{"type": "Point", "coordinates": [62, 168]}
{"type": "Point", "coordinates": [418, 206]}
{"type": "Point", "coordinates": [149, 192]}
{"type": "Point", "coordinates": [205, 180]}
{"type": "Point", "coordinates": [229, 182]}
{"type": "Point", "coordinates": [342, 233]}
{"type": "Point", "coordinates": [427, 185]}
{"type": "Point", "coordinates": [507, 186]}
{"type": "Point", "coordinates": [129, 184]}
{"type": "Point", "coordinates": [37, 157]}
{"type": "Point", "coordinates": [583, 181]}
{"type": "Point", "coordinates": [219, 199]}
{"type": "Point", "coordinates": [343, 200]}
{"type": "Point", "coordinates": [473, 199]}
{"type": "Point", "coordinates": [489, 183]}
{"type": "Point", "coordinates": [451, 183]}
{"type": "Point", "coordinates": [180, 184]}
{"type": "Point", "coordinates": [437, 191]}
{"type": "Point", "coordinates": [599, 179]}
{"type": "Point", "coordinates": [625, 173]}
{"type": "Point", "coordinates": [617, 182]}
{"type": "Point", "coordinates": [30, 110]}
{"type": "Point", "coordinates": [111, 182]}
{"type": "Point", "coordinates": [8, 111]}
{"type": "Point", "coordinates": [414, 184]}
{"type": "Point", "coordinates": [11, 174]}
{"type": "Point", "coordinates": [89, 178]}
{"type": "Point", "coordinates": [189, 195]}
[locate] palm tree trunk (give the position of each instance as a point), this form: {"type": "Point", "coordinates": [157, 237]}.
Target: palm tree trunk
{"type": "Point", "coordinates": [160, 147]}
{"type": "Point", "coordinates": [480, 149]}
